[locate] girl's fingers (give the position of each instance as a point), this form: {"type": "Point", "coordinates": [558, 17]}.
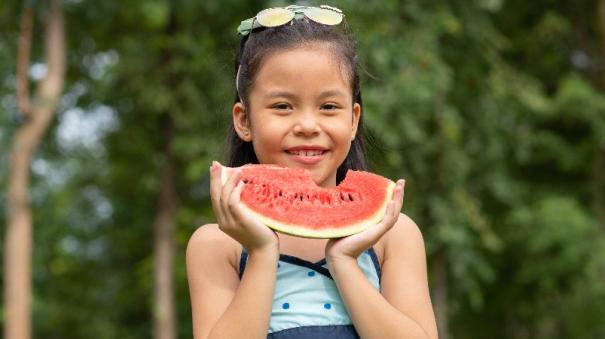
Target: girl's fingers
{"type": "Point", "coordinates": [256, 232]}
{"type": "Point", "coordinates": [402, 191]}
{"type": "Point", "coordinates": [398, 197]}
{"type": "Point", "coordinates": [220, 193]}
{"type": "Point", "coordinates": [216, 189]}
{"type": "Point", "coordinates": [236, 208]}
{"type": "Point", "coordinates": [374, 233]}
{"type": "Point", "coordinates": [234, 199]}
{"type": "Point", "coordinates": [228, 188]}
{"type": "Point", "coordinates": [357, 242]}
{"type": "Point", "coordinates": [391, 217]}
{"type": "Point", "coordinates": [226, 193]}
{"type": "Point", "coordinates": [392, 212]}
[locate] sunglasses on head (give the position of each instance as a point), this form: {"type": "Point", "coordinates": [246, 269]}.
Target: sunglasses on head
{"type": "Point", "coordinates": [274, 17]}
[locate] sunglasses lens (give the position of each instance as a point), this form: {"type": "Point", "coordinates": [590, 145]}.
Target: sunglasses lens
{"type": "Point", "coordinates": [272, 17]}
{"type": "Point", "coordinates": [324, 16]}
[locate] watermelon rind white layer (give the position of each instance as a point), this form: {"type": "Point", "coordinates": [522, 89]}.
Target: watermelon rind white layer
{"type": "Point", "coordinates": [325, 232]}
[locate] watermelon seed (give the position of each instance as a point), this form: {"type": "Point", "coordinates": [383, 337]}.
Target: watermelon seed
{"type": "Point", "coordinates": [350, 197]}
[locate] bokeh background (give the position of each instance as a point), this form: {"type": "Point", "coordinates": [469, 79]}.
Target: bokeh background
{"type": "Point", "coordinates": [493, 110]}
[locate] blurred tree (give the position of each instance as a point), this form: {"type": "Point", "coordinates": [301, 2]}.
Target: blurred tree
{"type": "Point", "coordinates": [36, 117]}
{"type": "Point", "coordinates": [492, 110]}
{"type": "Point", "coordinates": [480, 105]}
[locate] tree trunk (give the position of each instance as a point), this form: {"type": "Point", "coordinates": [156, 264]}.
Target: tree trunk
{"type": "Point", "coordinates": [164, 317]}
{"type": "Point", "coordinates": [164, 310]}
{"type": "Point", "coordinates": [37, 117]}
{"type": "Point", "coordinates": [598, 168]}
{"type": "Point", "coordinates": [440, 261]}
{"type": "Point", "coordinates": [598, 179]}
{"type": "Point", "coordinates": [441, 313]}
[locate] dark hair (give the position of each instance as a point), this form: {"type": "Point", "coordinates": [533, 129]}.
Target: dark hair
{"type": "Point", "coordinates": [254, 47]}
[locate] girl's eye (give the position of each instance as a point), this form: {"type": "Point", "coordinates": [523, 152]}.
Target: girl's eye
{"type": "Point", "coordinates": [281, 106]}
{"type": "Point", "coordinates": [329, 107]}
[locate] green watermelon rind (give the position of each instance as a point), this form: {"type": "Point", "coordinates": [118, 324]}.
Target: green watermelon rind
{"type": "Point", "coordinates": [324, 233]}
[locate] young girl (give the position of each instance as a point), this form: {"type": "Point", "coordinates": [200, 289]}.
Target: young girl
{"type": "Point", "coordinates": [299, 105]}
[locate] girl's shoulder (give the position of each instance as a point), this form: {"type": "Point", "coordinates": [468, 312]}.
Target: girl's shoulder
{"type": "Point", "coordinates": [210, 242]}
{"type": "Point", "coordinates": [405, 233]}
{"type": "Point", "coordinates": [404, 278]}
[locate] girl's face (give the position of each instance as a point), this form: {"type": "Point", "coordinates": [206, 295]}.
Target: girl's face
{"type": "Point", "coordinates": [301, 112]}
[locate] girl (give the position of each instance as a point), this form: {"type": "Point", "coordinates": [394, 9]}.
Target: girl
{"type": "Point", "coordinates": [298, 104]}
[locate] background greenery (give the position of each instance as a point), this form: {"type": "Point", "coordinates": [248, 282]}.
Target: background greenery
{"type": "Point", "coordinates": [493, 111]}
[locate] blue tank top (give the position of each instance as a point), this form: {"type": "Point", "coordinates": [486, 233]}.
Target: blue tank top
{"type": "Point", "coordinates": [306, 302]}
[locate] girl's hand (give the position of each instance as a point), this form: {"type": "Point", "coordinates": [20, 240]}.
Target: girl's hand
{"type": "Point", "coordinates": [233, 219]}
{"type": "Point", "coordinates": [352, 246]}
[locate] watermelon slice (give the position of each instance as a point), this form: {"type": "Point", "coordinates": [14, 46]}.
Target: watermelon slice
{"type": "Point", "coordinates": [288, 200]}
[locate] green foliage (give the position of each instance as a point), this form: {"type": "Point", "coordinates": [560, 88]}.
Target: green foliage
{"type": "Point", "coordinates": [493, 111]}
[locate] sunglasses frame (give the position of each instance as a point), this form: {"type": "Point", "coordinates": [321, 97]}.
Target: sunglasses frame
{"type": "Point", "coordinates": [248, 25]}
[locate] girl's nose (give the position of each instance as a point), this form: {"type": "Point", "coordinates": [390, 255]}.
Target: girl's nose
{"type": "Point", "coordinates": [306, 124]}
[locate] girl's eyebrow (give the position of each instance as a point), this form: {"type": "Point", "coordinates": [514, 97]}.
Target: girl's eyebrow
{"type": "Point", "coordinates": [332, 93]}
{"type": "Point", "coordinates": [290, 95]}
{"type": "Point", "coordinates": [280, 94]}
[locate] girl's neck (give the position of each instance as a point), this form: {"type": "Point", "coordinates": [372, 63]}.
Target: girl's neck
{"type": "Point", "coordinates": [307, 249]}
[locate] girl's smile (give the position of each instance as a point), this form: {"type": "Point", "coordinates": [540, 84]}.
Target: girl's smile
{"type": "Point", "coordinates": [300, 111]}
{"type": "Point", "coordinates": [307, 154]}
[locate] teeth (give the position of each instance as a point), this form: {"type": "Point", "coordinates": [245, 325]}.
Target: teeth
{"type": "Point", "coordinates": [306, 153]}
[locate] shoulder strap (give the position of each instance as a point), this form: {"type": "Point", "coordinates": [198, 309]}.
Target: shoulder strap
{"type": "Point", "coordinates": [242, 262]}
{"type": "Point", "coordinates": [371, 252]}
{"type": "Point", "coordinates": [374, 257]}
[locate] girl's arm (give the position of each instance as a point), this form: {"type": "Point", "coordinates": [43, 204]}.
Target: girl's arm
{"type": "Point", "coordinates": [222, 305]}
{"type": "Point", "coordinates": [403, 307]}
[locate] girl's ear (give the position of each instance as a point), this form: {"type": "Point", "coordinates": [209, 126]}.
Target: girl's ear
{"type": "Point", "coordinates": [356, 116]}
{"type": "Point", "coordinates": [241, 121]}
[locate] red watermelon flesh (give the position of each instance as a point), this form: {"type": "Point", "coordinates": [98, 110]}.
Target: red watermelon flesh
{"type": "Point", "coordinates": [289, 201]}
